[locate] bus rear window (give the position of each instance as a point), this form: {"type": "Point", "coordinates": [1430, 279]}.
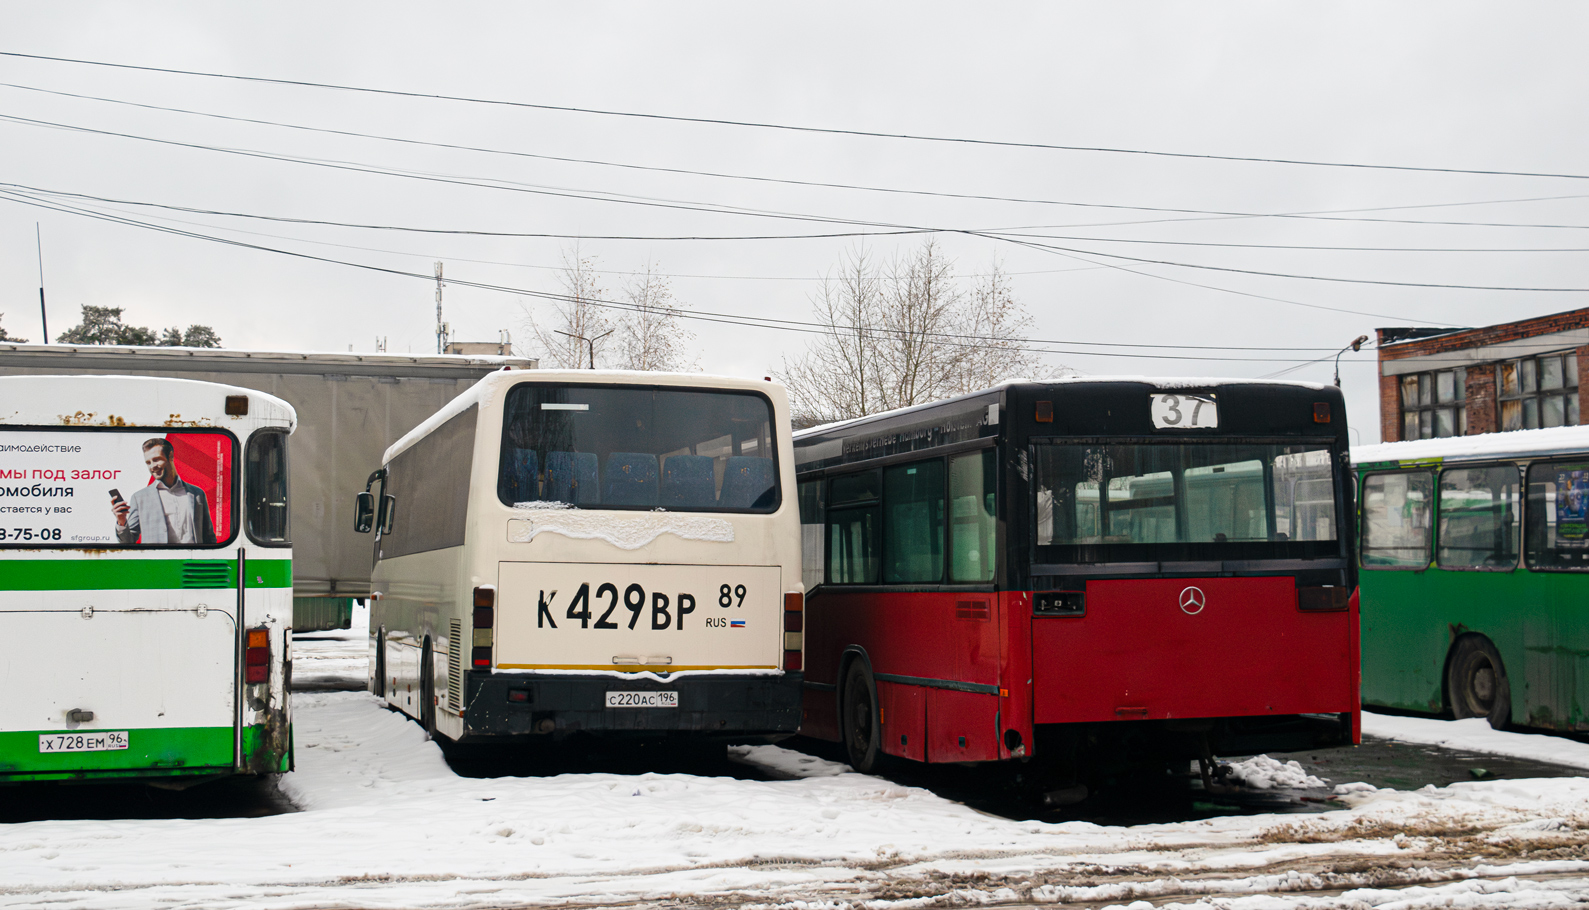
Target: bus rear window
{"type": "Point", "coordinates": [628, 447]}
{"type": "Point", "coordinates": [1184, 501]}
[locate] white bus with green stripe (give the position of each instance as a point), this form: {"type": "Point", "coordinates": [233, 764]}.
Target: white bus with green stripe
{"type": "Point", "coordinates": [145, 580]}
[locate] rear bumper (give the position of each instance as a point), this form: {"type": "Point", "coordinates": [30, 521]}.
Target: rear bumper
{"type": "Point", "coordinates": [726, 706]}
{"type": "Point", "coordinates": [1117, 743]}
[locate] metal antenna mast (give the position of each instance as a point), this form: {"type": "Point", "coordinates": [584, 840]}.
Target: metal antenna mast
{"type": "Point", "coordinates": [44, 317]}
{"type": "Point", "coordinates": [442, 329]}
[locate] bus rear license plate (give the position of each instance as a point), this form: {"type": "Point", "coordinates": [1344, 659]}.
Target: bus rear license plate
{"type": "Point", "coordinates": [98, 741]}
{"type": "Point", "coordinates": [642, 699]}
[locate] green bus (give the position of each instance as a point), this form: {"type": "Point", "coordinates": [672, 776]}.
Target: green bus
{"type": "Point", "coordinates": [1475, 584]}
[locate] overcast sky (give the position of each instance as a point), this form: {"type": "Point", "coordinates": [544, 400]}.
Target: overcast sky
{"type": "Point", "coordinates": [1436, 85]}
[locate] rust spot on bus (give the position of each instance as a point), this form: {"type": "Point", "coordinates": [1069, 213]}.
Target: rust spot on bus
{"type": "Point", "coordinates": [86, 419]}
{"type": "Point", "coordinates": [175, 420]}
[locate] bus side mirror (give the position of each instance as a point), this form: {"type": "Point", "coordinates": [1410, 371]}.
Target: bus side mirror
{"type": "Point", "coordinates": [364, 512]}
{"type": "Point", "coordinates": [388, 513]}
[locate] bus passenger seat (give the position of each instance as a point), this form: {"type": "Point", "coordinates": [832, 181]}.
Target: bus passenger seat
{"type": "Point", "coordinates": [630, 479]}
{"type": "Point", "coordinates": [688, 481]}
{"type": "Point", "coordinates": [748, 483]}
{"type": "Point", "coordinates": [571, 478]}
{"type": "Point", "coordinates": [520, 480]}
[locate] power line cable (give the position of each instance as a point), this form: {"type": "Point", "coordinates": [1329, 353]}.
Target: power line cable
{"type": "Point", "coordinates": [821, 184]}
{"type": "Point", "coordinates": [707, 208]}
{"type": "Point", "coordinates": [1219, 268]}
{"type": "Point", "coordinates": [730, 319]}
{"type": "Point", "coordinates": [1001, 232]}
{"type": "Point", "coordinates": [1118, 267]}
{"type": "Point", "coordinates": [753, 124]}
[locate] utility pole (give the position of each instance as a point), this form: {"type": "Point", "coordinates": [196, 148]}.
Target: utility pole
{"type": "Point", "coordinates": [442, 329]}
{"type": "Point", "coordinates": [44, 316]}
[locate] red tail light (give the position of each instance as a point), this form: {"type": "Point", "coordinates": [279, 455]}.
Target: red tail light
{"type": "Point", "coordinates": [793, 627]}
{"type": "Point", "coordinates": [256, 657]}
{"type": "Point", "coordinates": [485, 599]}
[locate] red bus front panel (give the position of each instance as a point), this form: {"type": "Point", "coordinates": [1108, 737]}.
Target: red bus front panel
{"type": "Point", "coordinates": [1161, 648]}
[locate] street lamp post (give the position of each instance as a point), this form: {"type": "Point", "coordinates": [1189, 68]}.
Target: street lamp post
{"type": "Point", "coordinates": [592, 343]}
{"type": "Point", "coordinates": [1356, 345]}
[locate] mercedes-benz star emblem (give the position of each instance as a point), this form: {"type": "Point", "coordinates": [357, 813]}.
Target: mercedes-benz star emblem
{"type": "Point", "coordinates": [1192, 601]}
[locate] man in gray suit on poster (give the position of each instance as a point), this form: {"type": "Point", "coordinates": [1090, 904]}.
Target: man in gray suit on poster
{"type": "Point", "coordinates": [167, 511]}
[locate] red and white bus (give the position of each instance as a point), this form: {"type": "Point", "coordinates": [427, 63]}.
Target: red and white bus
{"type": "Point", "coordinates": [1081, 572]}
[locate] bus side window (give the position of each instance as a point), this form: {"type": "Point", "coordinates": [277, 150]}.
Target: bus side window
{"type": "Point", "coordinates": [1478, 517]}
{"type": "Point", "coordinates": [1557, 535]}
{"type": "Point", "coordinates": [913, 523]}
{"type": "Point", "coordinates": [267, 488]}
{"type": "Point", "coordinates": [853, 507]}
{"type": "Point", "coordinates": [972, 523]}
{"type": "Point", "coordinates": [811, 522]}
{"type": "Point", "coordinates": [1396, 512]}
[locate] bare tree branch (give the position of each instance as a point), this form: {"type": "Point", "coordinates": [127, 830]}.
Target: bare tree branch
{"type": "Point", "coordinates": [576, 332]}
{"type": "Point", "coordinates": [907, 337]}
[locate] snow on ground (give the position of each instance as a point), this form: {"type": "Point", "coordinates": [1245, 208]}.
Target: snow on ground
{"type": "Point", "coordinates": [1476, 735]}
{"type": "Point", "coordinates": [385, 823]}
{"type": "Point", "coordinates": [336, 659]}
{"type": "Point", "coordinates": [1264, 773]}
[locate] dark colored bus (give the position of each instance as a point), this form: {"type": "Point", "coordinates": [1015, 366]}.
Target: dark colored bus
{"type": "Point", "coordinates": [1082, 572]}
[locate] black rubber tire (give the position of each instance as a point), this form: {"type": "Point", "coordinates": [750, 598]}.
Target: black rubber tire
{"type": "Point", "coordinates": [427, 690]}
{"type": "Point", "coordinates": [378, 684]}
{"type": "Point", "coordinates": [858, 719]}
{"type": "Point", "coordinates": [1476, 681]}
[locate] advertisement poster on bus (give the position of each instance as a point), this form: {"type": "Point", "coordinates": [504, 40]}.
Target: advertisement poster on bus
{"type": "Point", "coordinates": [1572, 509]}
{"type": "Point", "coordinates": [115, 488]}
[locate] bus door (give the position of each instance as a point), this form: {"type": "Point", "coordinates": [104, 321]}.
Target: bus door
{"type": "Point", "coordinates": [117, 663]}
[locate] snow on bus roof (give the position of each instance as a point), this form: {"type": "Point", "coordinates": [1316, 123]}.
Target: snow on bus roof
{"type": "Point", "coordinates": [481, 391]}
{"type": "Point", "coordinates": [1509, 444]}
{"type": "Point", "coordinates": [45, 399]}
{"type": "Point", "coordinates": [1158, 382]}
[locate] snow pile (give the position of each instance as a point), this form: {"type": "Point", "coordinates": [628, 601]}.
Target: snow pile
{"type": "Point", "coordinates": [626, 531]}
{"type": "Point", "coordinates": [1476, 735]}
{"type": "Point", "coordinates": [787, 763]}
{"type": "Point", "coordinates": [1264, 773]}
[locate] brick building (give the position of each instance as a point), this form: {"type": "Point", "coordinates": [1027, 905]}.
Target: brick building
{"type": "Point", "coordinates": [1461, 382]}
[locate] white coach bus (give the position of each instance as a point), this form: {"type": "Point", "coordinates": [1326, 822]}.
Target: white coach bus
{"type": "Point", "coordinates": [145, 580]}
{"type": "Point", "coordinates": [591, 551]}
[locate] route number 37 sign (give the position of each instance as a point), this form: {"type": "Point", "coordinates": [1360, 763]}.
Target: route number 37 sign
{"type": "Point", "coordinates": [1174, 411]}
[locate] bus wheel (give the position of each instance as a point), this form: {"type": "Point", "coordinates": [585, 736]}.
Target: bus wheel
{"type": "Point", "coordinates": [863, 736]}
{"type": "Point", "coordinates": [1476, 681]}
{"type": "Point", "coordinates": [427, 691]}
{"type": "Point", "coordinates": [378, 684]}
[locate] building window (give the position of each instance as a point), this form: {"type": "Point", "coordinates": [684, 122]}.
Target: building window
{"type": "Point", "coordinates": [1538, 392]}
{"type": "Point", "coordinates": [1434, 404]}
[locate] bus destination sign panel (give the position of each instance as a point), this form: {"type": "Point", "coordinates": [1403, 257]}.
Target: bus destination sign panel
{"type": "Point", "coordinates": [1184, 411]}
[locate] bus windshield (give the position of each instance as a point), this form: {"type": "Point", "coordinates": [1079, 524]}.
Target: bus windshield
{"type": "Point", "coordinates": [1183, 500]}
{"type": "Point", "coordinates": [628, 447]}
